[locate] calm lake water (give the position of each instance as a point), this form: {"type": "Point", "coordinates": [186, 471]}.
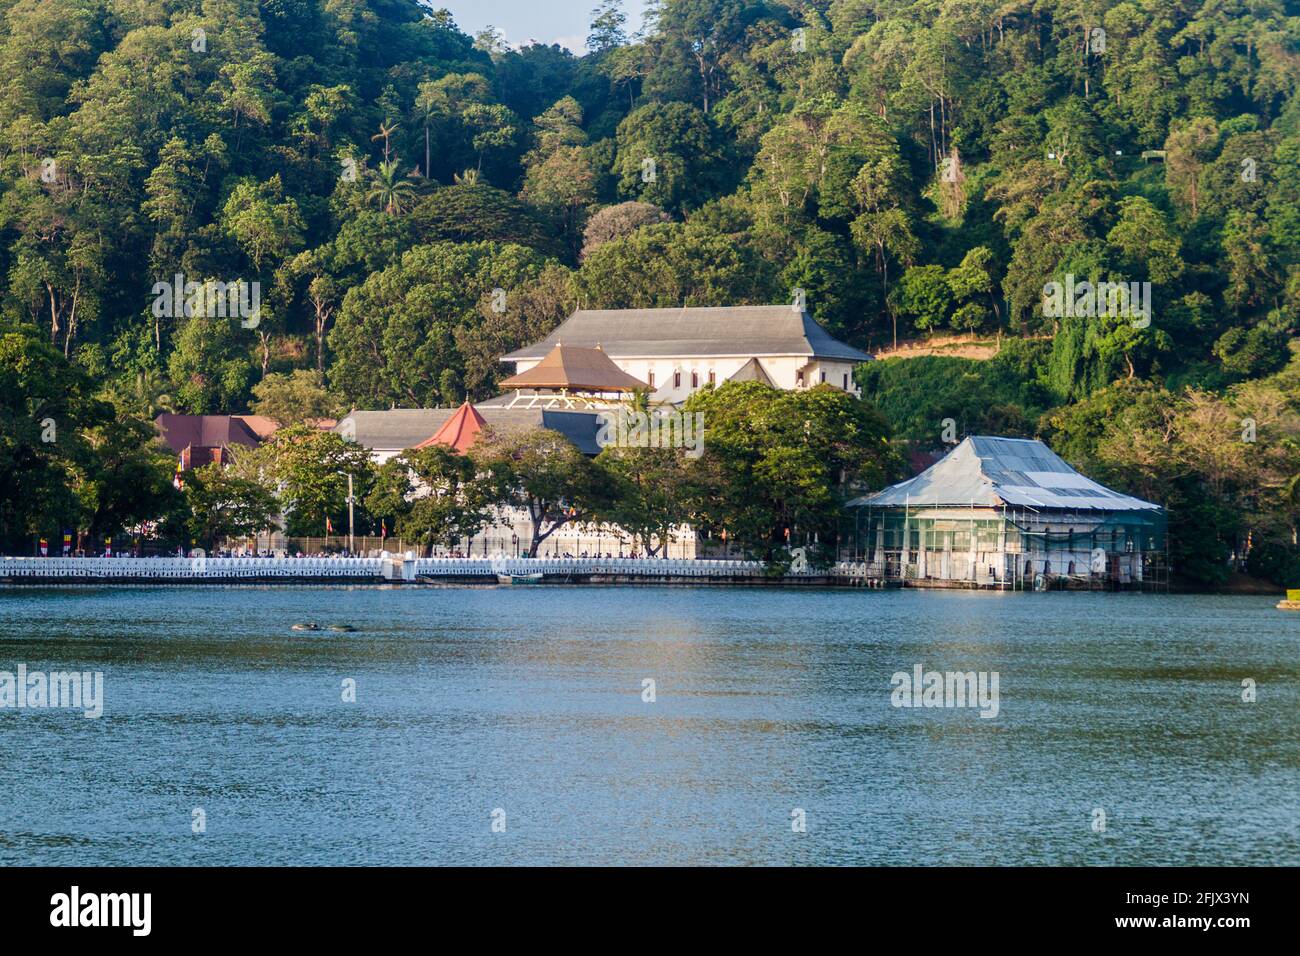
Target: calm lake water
{"type": "Point", "coordinates": [529, 701]}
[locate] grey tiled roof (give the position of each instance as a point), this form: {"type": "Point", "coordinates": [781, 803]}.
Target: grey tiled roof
{"type": "Point", "coordinates": [579, 427]}
{"type": "Point", "coordinates": [989, 471]}
{"type": "Point", "coordinates": [402, 428]}
{"type": "Point", "coordinates": [733, 330]}
{"type": "Point", "coordinates": [751, 371]}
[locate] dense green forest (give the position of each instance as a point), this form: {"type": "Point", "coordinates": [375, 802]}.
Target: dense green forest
{"type": "Point", "coordinates": [915, 167]}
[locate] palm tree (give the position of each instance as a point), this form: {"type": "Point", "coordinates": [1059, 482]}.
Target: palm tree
{"type": "Point", "coordinates": [470, 177]}
{"type": "Point", "coordinates": [147, 393]}
{"type": "Point", "coordinates": [386, 130]}
{"type": "Point", "coordinates": [389, 188]}
{"type": "Point", "coordinates": [429, 103]}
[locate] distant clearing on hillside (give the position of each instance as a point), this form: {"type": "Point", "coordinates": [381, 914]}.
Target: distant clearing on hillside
{"type": "Point", "coordinates": [950, 346]}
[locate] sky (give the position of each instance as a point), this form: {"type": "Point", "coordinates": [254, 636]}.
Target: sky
{"type": "Point", "coordinates": [548, 21]}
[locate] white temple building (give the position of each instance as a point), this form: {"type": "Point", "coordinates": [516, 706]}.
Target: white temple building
{"type": "Point", "coordinates": [679, 351]}
{"type": "Point", "coordinates": [593, 361]}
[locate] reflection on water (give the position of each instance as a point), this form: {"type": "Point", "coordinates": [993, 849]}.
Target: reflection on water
{"type": "Point", "coordinates": [530, 700]}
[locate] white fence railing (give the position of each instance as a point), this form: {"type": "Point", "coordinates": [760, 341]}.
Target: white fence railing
{"type": "Point", "coordinates": [640, 567]}
{"type": "Point", "coordinates": [208, 568]}
{"type": "Point", "coordinates": [190, 568]}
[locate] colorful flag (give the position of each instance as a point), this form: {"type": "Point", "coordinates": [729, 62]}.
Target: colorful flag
{"type": "Point", "coordinates": [67, 543]}
{"type": "Point", "coordinates": [45, 548]}
{"type": "Point", "coordinates": [383, 529]}
{"type": "Point", "coordinates": [329, 528]}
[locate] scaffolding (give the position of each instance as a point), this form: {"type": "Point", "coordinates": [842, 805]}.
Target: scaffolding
{"type": "Point", "coordinates": [1007, 548]}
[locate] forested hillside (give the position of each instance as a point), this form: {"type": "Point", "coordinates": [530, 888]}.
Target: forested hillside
{"type": "Point", "coordinates": [913, 166]}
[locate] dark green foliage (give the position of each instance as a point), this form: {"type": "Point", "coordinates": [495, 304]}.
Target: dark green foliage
{"type": "Point", "coordinates": [996, 397]}
{"type": "Point", "coordinates": [915, 168]}
{"type": "Point", "coordinates": [779, 466]}
{"type": "Point", "coordinates": [479, 214]}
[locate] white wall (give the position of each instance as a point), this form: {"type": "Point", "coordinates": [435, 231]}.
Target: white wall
{"type": "Point", "coordinates": [783, 370]}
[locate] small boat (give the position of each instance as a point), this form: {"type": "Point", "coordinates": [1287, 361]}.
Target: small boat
{"type": "Point", "coordinates": [1291, 602]}
{"type": "Point", "coordinates": [311, 626]}
{"type": "Point", "coordinates": [534, 578]}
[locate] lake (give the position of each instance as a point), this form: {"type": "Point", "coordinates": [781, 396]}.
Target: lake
{"type": "Point", "coordinates": [517, 726]}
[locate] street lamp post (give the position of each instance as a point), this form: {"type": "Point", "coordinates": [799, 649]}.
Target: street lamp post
{"type": "Point", "coordinates": [351, 499]}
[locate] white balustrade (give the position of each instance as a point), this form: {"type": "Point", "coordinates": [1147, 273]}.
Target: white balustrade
{"type": "Point", "coordinates": [215, 568]}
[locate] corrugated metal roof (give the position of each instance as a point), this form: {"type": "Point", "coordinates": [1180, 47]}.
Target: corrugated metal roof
{"type": "Point", "coordinates": [989, 471]}
{"type": "Point", "coordinates": [731, 330]}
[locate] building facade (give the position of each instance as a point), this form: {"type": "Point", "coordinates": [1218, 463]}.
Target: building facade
{"type": "Point", "coordinates": [678, 351]}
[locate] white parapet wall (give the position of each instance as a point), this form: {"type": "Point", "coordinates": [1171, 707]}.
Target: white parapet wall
{"type": "Point", "coordinates": [376, 569]}
{"type": "Point", "coordinates": [188, 569]}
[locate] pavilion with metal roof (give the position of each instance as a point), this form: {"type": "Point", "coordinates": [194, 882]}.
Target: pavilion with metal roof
{"type": "Point", "coordinates": [1007, 513]}
{"type": "Point", "coordinates": [1015, 472]}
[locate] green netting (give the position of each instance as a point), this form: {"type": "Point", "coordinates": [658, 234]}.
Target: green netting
{"type": "Point", "coordinates": [866, 529]}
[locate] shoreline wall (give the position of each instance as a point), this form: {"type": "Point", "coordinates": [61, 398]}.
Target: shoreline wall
{"type": "Point", "coordinates": [375, 570]}
{"type": "Point", "coordinates": [399, 569]}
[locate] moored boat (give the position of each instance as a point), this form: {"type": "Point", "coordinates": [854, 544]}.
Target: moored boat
{"type": "Point", "coordinates": [534, 578]}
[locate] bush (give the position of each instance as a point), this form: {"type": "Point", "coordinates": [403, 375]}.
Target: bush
{"type": "Point", "coordinates": [1275, 561]}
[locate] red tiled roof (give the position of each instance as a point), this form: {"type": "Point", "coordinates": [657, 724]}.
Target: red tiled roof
{"type": "Point", "coordinates": [259, 425]}
{"type": "Point", "coordinates": [206, 431]}
{"type": "Point", "coordinates": [459, 431]}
